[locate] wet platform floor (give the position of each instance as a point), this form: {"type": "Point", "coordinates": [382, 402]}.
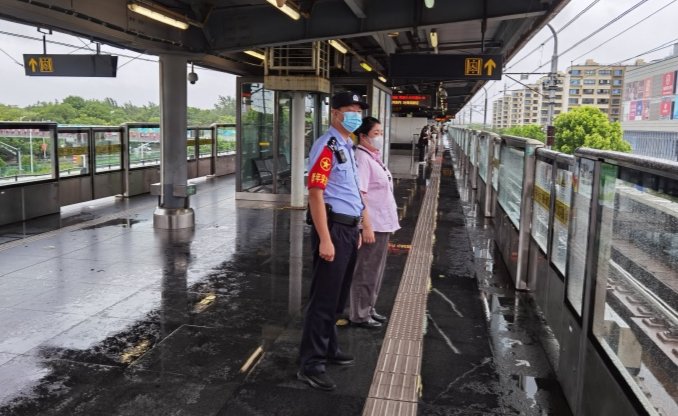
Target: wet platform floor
{"type": "Point", "coordinates": [111, 317]}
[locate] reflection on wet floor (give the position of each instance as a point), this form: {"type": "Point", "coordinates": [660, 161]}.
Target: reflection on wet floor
{"type": "Point", "coordinates": [499, 366]}
{"type": "Point", "coordinates": [117, 318]}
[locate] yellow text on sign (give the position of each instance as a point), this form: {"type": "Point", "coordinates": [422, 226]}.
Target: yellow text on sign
{"type": "Point", "coordinates": [45, 64]}
{"type": "Point", "coordinates": [476, 67]}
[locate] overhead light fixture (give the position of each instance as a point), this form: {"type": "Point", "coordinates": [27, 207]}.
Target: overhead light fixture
{"type": "Point", "coordinates": [285, 8]}
{"type": "Point", "coordinates": [163, 17]}
{"type": "Point", "coordinates": [366, 66]}
{"type": "Point", "coordinates": [382, 79]}
{"type": "Point", "coordinates": [338, 46]}
{"type": "Point", "coordinates": [434, 38]}
{"type": "Point", "coordinates": [256, 54]}
{"type": "Point", "coordinates": [430, 3]}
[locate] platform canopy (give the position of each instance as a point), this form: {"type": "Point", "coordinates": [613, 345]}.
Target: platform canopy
{"type": "Point", "coordinates": [219, 31]}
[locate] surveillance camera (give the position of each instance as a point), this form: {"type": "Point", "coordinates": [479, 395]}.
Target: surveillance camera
{"type": "Point", "coordinates": [192, 77]}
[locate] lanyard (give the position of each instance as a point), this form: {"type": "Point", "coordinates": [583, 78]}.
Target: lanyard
{"type": "Point", "coordinates": [376, 159]}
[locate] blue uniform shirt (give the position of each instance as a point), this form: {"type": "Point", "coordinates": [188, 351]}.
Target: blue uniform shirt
{"type": "Point", "coordinates": [341, 185]}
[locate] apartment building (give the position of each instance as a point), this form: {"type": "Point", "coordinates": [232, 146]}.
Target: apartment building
{"type": "Point", "coordinates": [528, 105]}
{"type": "Point", "coordinates": [596, 85]}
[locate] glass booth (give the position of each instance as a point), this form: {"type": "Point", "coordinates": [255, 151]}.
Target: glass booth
{"type": "Point", "coordinates": [265, 131]}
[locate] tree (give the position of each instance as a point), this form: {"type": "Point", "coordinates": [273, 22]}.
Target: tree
{"type": "Point", "coordinates": [530, 131]}
{"type": "Point", "coordinates": [588, 127]}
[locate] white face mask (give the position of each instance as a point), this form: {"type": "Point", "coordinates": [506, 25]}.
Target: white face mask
{"type": "Point", "coordinates": [378, 142]}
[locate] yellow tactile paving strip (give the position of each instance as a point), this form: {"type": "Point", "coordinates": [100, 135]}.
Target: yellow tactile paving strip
{"type": "Point", "coordinates": [396, 383]}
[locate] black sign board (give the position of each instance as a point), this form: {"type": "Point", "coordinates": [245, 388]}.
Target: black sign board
{"type": "Point", "coordinates": [445, 67]}
{"type": "Point", "coordinates": [71, 65]}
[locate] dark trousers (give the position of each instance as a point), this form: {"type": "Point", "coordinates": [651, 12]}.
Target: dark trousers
{"type": "Point", "coordinates": [330, 289]}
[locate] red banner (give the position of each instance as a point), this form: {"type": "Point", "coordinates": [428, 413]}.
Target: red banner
{"type": "Point", "coordinates": [668, 83]}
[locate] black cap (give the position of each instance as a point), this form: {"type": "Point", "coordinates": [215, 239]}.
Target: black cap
{"type": "Point", "coordinates": [342, 99]}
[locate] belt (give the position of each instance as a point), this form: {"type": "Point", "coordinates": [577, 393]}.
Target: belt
{"type": "Point", "coordinates": [343, 219]}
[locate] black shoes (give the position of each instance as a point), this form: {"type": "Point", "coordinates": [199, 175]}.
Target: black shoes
{"type": "Point", "coordinates": [341, 359]}
{"type": "Point", "coordinates": [379, 318]}
{"type": "Point", "coordinates": [318, 381]}
{"type": "Point", "coordinates": [369, 324]}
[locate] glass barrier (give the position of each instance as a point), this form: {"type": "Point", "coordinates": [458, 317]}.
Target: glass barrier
{"type": "Point", "coordinates": [473, 148]}
{"type": "Point", "coordinates": [578, 244]}
{"type": "Point", "coordinates": [204, 143]}
{"type": "Point", "coordinates": [190, 144]}
{"type": "Point", "coordinates": [225, 140]}
{"type": "Point", "coordinates": [482, 156]}
{"type": "Point", "coordinates": [107, 150]}
{"type": "Point", "coordinates": [635, 313]}
{"type": "Point", "coordinates": [562, 219]}
{"type": "Point", "coordinates": [541, 204]}
{"type": "Point", "coordinates": [73, 153]}
{"type": "Point", "coordinates": [511, 182]}
{"type": "Point", "coordinates": [144, 146]}
{"type": "Point", "coordinates": [26, 154]}
{"type": "Point", "coordinates": [496, 162]}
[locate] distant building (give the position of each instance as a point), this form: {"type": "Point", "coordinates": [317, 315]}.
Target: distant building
{"type": "Point", "coordinates": [595, 85]}
{"type": "Point", "coordinates": [650, 108]}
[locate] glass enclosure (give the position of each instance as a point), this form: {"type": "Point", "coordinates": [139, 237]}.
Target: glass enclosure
{"type": "Point", "coordinates": [562, 219]}
{"type": "Point", "coordinates": [26, 154]}
{"type": "Point", "coordinates": [541, 204]}
{"type": "Point", "coordinates": [144, 146]}
{"type": "Point", "coordinates": [256, 135]}
{"type": "Point", "coordinates": [511, 182]}
{"type": "Point", "coordinates": [580, 231]}
{"type": "Point", "coordinates": [73, 152]}
{"type": "Point", "coordinates": [107, 150]}
{"type": "Point", "coordinates": [636, 308]}
{"type": "Point", "coordinates": [280, 165]}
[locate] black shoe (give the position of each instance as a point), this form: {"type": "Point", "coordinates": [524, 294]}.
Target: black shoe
{"type": "Point", "coordinates": [379, 318]}
{"type": "Point", "coordinates": [341, 358]}
{"type": "Point", "coordinates": [318, 381]}
{"type": "Point", "coordinates": [369, 324]}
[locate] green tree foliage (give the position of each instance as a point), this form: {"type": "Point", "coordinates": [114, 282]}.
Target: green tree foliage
{"type": "Point", "coordinates": [588, 127]}
{"type": "Point", "coordinates": [530, 131]}
{"type": "Point", "coordinates": [75, 110]}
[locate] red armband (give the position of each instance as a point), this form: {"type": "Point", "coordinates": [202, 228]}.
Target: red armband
{"type": "Point", "coordinates": [320, 172]}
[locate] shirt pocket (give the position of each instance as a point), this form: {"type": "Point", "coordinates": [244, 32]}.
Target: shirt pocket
{"type": "Point", "coordinates": [343, 170]}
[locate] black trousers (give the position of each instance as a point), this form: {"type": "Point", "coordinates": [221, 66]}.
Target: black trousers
{"type": "Point", "coordinates": [330, 289]}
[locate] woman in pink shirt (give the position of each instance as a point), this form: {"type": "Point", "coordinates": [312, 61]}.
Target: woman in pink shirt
{"type": "Point", "coordinates": [376, 187]}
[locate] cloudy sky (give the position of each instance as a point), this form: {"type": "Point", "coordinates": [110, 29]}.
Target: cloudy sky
{"type": "Point", "coordinates": [641, 30]}
{"type": "Point", "coordinates": [137, 80]}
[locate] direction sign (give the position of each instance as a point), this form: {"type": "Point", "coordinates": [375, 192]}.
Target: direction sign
{"type": "Point", "coordinates": [70, 65]}
{"type": "Point", "coordinates": [446, 67]}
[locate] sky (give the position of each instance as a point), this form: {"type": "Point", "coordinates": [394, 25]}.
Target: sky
{"type": "Point", "coordinates": [137, 80]}
{"type": "Point", "coordinates": [646, 35]}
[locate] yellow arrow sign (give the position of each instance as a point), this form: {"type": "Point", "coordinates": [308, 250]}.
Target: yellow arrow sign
{"type": "Point", "coordinates": [33, 64]}
{"type": "Point", "coordinates": [490, 65]}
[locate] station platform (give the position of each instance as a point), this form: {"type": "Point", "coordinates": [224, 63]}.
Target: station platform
{"type": "Point", "coordinates": [100, 314]}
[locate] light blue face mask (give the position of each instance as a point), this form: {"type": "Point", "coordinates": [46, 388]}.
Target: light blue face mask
{"type": "Point", "coordinates": [352, 121]}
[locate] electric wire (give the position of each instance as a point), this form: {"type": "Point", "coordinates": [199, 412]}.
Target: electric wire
{"type": "Point", "coordinates": [587, 8]}
{"type": "Point", "coordinates": [627, 29]}
{"type": "Point", "coordinates": [11, 57]}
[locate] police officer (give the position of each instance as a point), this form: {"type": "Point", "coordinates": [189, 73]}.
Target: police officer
{"type": "Point", "coordinates": [336, 207]}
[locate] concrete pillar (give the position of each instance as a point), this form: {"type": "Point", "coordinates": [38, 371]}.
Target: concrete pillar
{"type": "Point", "coordinates": [173, 210]}
{"type": "Point", "coordinates": [297, 163]}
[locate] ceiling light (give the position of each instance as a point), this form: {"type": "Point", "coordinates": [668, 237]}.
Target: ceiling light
{"type": "Point", "coordinates": [366, 66]}
{"type": "Point", "coordinates": [393, 34]}
{"type": "Point", "coordinates": [160, 17]}
{"type": "Point", "coordinates": [286, 9]}
{"type": "Point", "coordinates": [338, 46]}
{"type": "Point", "coordinates": [429, 3]}
{"type": "Point", "coordinates": [382, 79]}
{"type": "Point", "coordinates": [256, 54]}
{"type": "Point", "coordinates": [434, 38]}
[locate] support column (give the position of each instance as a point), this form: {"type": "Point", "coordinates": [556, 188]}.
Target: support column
{"type": "Point", "coordinates": [298, 118]}
{"type": "Point", "coordinates": [173, 210]}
